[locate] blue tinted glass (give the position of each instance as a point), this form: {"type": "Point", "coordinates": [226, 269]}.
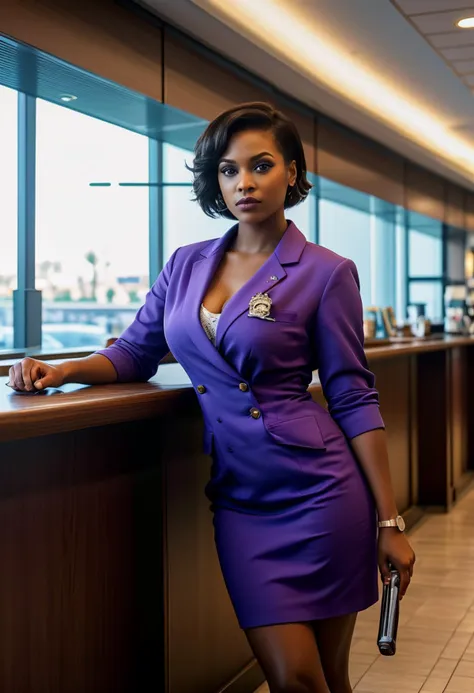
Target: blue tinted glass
{"type": "Point", "coordinates": [431, 294]}
{"type": "Point", "coordinates": [425, 246]}
{"type": "Point", "coordinates": [369, 231]}
{"type": "Point", "coordinates": [92, 232]}
{"type": "Point", "coordinates": [8, 213]}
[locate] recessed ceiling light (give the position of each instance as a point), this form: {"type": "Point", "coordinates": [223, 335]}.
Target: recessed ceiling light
{"type": "Point", "coordinates": [466, 23]}
{"type": "Point", "coordinates": [68, 97]}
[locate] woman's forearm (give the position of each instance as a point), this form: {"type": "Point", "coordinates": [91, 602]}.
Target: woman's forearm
{"type": "Point", "coordinates": [91, 370]}
{"type": "Point", "coordinates": [372, 453]}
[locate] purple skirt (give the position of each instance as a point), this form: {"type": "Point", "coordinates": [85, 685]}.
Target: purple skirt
{"type": "Point", "coordinates": [295, 531]}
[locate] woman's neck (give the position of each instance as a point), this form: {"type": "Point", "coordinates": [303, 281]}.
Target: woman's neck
{"type": "Point", "coordinates": [260, 238]}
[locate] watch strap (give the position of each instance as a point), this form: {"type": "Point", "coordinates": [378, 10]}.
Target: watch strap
{"type": "Point", "coordinates": [388, 523]}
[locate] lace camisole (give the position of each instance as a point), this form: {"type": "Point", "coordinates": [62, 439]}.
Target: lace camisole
{"type": "Point", "coordinates": [209, 322]}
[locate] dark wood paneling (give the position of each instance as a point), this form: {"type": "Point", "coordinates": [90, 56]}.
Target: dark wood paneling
{"type": "Point", "coordinates": [349, 159]}
{"type": "Point", "coordinates": [469, 211]}
{"type": "Point", "coordinates": [73, 616]}
{"type": "Point", "coordinates": [203, 633]}
{"type": "Point", "coordinates": [455, 202]}
{"type": "Point", "coordinates": [434, 444]}
{"type": "Point", "coordinates": [470, 410]}
{"type": "Point", "coordinates": [425, 192]}
{"type": "Point", "coordinates": [393, 384]}
{"type": "Point", "coordinates": [459, 415]}
{"type": "Point", "coordinates": [413, 414]}
{"type": "Point", "coordinates": [96, 35]}
{"type": "Point", "coordinates": [204, 87]}
{"type": "Point", "coordinates": [110, 579]}
{"type": "Point", "coordinates": [197, 85]}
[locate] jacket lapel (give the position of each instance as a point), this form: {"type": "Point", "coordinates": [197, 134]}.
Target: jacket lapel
{"type": "Point", "coordinates": [271, 273]}
{"type": "Point", "coordinates": [201, 276]}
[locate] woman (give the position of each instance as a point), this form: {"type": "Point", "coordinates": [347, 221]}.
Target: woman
{"type": "Point", "coordinates": [295, 489]}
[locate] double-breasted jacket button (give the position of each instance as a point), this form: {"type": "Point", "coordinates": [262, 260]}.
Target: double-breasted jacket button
{"type": "Point", "coordinates": [243, 387]}
{"type": "Point", "coordinates": [201, 389]}
{"type": "Point", "coordinates": [255, 413]}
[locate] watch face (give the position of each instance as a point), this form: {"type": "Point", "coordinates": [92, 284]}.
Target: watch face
{"type": "Point", "coordinates": [401, 523]}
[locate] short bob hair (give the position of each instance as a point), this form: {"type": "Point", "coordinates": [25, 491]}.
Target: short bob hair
{"type": "Point", "coordinates": [214, 141]}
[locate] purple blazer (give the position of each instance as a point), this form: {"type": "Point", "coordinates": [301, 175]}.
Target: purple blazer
{"type": "Point", "coordinates": [259, 368]}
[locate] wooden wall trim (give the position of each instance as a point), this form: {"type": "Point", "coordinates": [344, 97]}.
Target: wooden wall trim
{"type": "Point", "coordinates": [99, 36]}
{"type": "Point", "coordinates": [469, 211]}
{"type": "Point", "coordinates": [351, 160]}
{"type": "Point", "coordinates": [205, 87]}
{"type": "Point", "coordinates": [455, 203]}
{"type": "Point", "coordinates": [199, 86]}
{"type": "Point", "coordinates": [425, 192]}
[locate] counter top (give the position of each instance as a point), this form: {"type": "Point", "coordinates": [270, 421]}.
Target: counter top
{"type": "Point", "coordinates": [407, 346]}
{"type": "Point", "coordinates": [73, 406]}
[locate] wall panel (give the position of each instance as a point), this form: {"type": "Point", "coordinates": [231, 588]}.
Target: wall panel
{"type": "Point", "coordinates": [197, 85]}
{"type": "Point", "coordinates": [425, 192]}
{"type": "Point", "coordinates": [96, 35]}
{"type": "Point", "coordinates": [469, 211]}
{"type": "Point", "coordinates": [203, 86]}
{"type": "Point", "coordinates": [455, 201]}
{"type": "Point", "coordinates": [351, 160]}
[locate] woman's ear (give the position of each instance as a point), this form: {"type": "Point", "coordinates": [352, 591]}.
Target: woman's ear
{"type": "Point", "coordinates": [292, 173]}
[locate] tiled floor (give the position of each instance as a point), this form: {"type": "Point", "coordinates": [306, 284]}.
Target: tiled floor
{"type": "Point", "coordinates": [435, 646]}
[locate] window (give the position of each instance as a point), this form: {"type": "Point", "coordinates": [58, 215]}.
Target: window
{"type": "Point", "coordinates": [425, 262]}
{"type": "Point", "coordinates": [346, 231]}
{"type": "Point", "coordinates": [92, 226]}
{"type": "Point", "coordinates": [430, 294]}
{"type": "Point", "coordinates": [8, 211]}
{"type": "Point", "coordinates": [370, 232]}
{"type": "Point", "coordinates": [183, 220]}
{"type": "Point", "coordinates": [425, 246]}
{"type": "Point", "coordinates": [304, 215]}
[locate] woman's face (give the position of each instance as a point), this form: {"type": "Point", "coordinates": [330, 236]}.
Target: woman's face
{"type": "Point", "coordinates": [253, 176]}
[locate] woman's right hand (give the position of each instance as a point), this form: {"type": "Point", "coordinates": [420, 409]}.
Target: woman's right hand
{"type": "Point", "coordinates": [30, 374]}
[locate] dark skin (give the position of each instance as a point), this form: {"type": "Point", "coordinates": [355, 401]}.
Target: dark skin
{"type": "Point", "coordinates": [296, 657]}
{"type": "Point", "coordinates": [252, 166]}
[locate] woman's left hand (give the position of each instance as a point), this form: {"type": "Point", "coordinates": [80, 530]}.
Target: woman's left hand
{"type": "Point", "coordinates": [395, 550]}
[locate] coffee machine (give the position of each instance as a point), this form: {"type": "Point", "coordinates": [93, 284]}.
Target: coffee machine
{"type": "Point", "coordinates": [456, 320]}
{"type": "Point", "coordinates": [420, 325]}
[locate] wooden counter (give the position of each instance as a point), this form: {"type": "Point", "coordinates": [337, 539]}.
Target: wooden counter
{"type": "Point", "coordinates": [77, 406]}
{"type": "Point", "coordinates": [109, 578]}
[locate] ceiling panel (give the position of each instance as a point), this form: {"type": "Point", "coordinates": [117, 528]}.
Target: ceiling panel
{"type": "Point", "coordinates": [463, 67]}
{"type": "Point", "coordinates": [440, 22]}
{"type": "Point", "coordinates": [422, 6]}
{"type": "Point", "coordinates": [451, 39]}
{"type": "Point", "coordinates": [464, 53]}
{"type": "Point", "coordinates": [436, 21]}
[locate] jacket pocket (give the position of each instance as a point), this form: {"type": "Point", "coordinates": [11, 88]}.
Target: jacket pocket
{"type": "Point", "coordinates": [207, 441]}
{"type": "Point", "coordinates": [283, 315]}
{"type": "Point", "coordinates": [303, 432]}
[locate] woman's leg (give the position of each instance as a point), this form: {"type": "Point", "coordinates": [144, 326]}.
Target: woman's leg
{"type": "Point", "coordinates": [333, 638]}
{"type": "Point", "coordinates": [289, 657]}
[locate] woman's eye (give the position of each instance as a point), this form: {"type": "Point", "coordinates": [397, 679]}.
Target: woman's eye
{"type": "Point", "coordinates": [227, 171]}
{"type": "Point", "coordinates": [263, 167]}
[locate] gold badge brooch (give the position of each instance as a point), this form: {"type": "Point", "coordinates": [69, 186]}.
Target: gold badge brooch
{"type": "Point", "coordinates": [260, 306]}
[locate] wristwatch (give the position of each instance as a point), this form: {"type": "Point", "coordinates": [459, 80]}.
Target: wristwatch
{"type": "Point", "coordinates": [396, 522]}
